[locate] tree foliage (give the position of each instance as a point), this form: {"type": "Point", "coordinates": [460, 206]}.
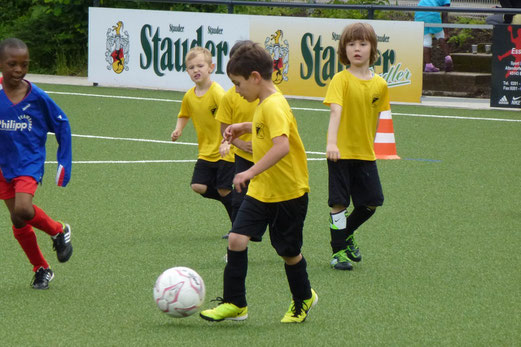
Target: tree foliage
{"type": "Point", "coordinates": [55, 31]}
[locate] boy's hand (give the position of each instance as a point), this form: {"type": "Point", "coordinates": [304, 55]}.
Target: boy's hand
{"type": "Point", "coordinates": [224, 148]}
{"type": "Point", "coordinates": [244, 145]}
{"type": "Point", "coordinates": [230, 133]}
{"type": "Point", "coordinates": [332, 152]}
{"type": "Point", "coordinates": [240, 180]}
{"type": "Point", "coordinates": [176, 134]}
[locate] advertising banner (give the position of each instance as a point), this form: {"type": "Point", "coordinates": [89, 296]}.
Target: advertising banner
{"type": "Point", "coordinates": [139, 48]}
{"type": "Point", "coordinates": [506, 66]}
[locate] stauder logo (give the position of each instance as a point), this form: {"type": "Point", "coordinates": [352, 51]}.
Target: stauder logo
{"type": "Point", "coordinates": [116, 54]}
{"type": "Point", "coordinates": [279, 50]}
{"type": "Point", "coordinates": [168, 53]}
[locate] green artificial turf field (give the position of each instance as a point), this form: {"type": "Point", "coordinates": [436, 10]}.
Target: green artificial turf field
{"type": "Point", "coordinates": [441, 256]}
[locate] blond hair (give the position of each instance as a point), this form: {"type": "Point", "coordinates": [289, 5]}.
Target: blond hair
{"type": "Point", "coordinates": [199, 50]}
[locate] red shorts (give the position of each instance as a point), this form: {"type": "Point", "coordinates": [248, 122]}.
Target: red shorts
{"type": "Point", "coordinates": [22, 184]}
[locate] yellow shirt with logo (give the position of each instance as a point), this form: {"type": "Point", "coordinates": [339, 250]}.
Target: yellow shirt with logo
{"type": "Point", "coordinates": [288, 178]}
{"type": "Point", "coordinates": [202, 110]}
{"type": "Point", "coordinates": [361, 101]}
{"type": "Point", "coordinates": [235, 109]}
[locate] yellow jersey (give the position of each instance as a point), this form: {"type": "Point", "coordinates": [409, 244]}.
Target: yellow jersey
{"type": "Point", "coordinates": [288, 178]}
{"type": "Point", "coordinates": [361, 101]}
{"type": "Point", "coordinates": [235, 109]}
{"type": "Point", "coordinates": [202, 111]}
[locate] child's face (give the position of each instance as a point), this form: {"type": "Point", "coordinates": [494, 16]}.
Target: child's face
{"type": "Point", "coordinates": [14, 65]}
{"type": "Point", "coordinates": [198, 69]}
{"type": "Point", "coordinates": [247, 88]}
{"type": "Point", "coordinates": [358, 52]}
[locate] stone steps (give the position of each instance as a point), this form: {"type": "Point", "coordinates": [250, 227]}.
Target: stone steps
{"type": "Point", "coordinates": [471, 77]}
{"type": "Point", "coordinates": [457, 84]}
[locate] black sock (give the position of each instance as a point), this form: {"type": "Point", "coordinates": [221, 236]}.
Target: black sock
{"type": "Point", "coordinates": [234, 289]}
{"type": "Point", "coordinates": [211, 193]}
{"type": "Point", "coordinates": [298, 280]}
{"type": "Point", "coordinates": [338, 239]}
{"type": "Point", "coordinates": [227, 202]}
{"type": "Point", "coordinates": [358, 217]}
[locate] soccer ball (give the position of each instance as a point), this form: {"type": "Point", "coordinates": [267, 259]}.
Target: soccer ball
{"type": "Point", "coordinates": [179, 292]}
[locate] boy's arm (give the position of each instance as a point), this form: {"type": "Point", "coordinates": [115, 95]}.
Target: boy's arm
{"type": "Point", "coordinates": [180, 125]}
{"type": "Point", "coordinates": [278, 151]}
{"type": "Point", "coordinates": [60, 126]}
{"type": "Point", "coordinates": [332, 152]}
{"type": "Point", "coordinates": [237, 142]}
{"type": "Point", "coordinates": [234, 131]}
{"type": "Point", "coordinates": [224, 147]}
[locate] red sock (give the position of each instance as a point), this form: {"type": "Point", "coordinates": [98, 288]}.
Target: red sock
{"type": "Point", "coordinates": [27, 239]}
{"type": "Point", "coordinates": [43, 222]}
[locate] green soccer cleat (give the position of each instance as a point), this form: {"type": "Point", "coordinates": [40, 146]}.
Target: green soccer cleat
{"type": "Point", "coordinates": [298, 310]}
{"type": "Point", "coordinates": [352, 251]}
{"type": "Point", "coordinates": [340, 261]}
{"type": "Point", "coordinates": [224, 311]}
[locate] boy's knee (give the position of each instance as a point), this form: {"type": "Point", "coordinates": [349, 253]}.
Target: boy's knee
{"type": "Point", "coordinates": [223, 192]}
{"type": "Point", "coordinates": [292, 260]}
{"type": "Point", "coordinates": [199, 188]}
{"type": "Point", "coordinates": [237, 242]}
{"type": "Point", "coordinates": [23, 213]}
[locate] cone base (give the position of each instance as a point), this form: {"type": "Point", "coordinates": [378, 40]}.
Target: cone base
{"type": "Point", "coordinates": [391, 156]}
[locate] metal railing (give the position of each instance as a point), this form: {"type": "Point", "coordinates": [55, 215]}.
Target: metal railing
{"type": "Point", "coordinates": [230, 4]}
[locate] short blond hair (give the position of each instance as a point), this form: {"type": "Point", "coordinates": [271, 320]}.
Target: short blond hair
{"type": "Point", "coordinates": [357, 31]}
{"type": "Point", "coordinates": [199, 50]}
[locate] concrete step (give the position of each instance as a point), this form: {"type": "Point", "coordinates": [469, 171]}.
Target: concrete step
{"type": "Point", "coordinates": [469, 62]}
{"type": "Point", "coordinates": [457, 84]}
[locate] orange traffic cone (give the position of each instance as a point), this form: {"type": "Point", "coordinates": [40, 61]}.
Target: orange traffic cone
{"type": "Point", "coordinates": [384, 143]}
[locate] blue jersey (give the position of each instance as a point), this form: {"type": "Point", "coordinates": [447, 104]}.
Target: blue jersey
{"type": "Point", "coordinates": [23, 133]}
{"type": "Point", "coordinates": [430, 17]}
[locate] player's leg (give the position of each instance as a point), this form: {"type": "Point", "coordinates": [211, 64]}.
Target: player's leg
{"type": "Point", "coordinates": [440, 36]}
{"type": "Point", "coordinates": [224, 185]}
{"type": "Point", "coordinates": [338, 200]}
{"type": "Point", "coordinates": [24, 234]}
{"type": "Point", "coordinates": [25, 212]}
{"type": "Point", "coordinates": [286, 226]}
{"type": "Point", "coordinates": [203, 180]}
{"type": "Point", "coordinates": [367, 194]}
{"type": "Point", "coordinates": [241, 165]}
{"type": "Point", "coordinates": [250, 224]}
{"type": "Point", "coordinates": [427, 49]}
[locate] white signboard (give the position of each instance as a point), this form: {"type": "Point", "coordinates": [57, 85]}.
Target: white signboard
{"type": "Point", "coordinates": [138, 48]}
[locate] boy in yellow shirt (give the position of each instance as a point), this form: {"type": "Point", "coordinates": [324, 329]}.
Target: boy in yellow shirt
{"type": "Point", "coordinates": [277, 196]}
{"type": "Point", "coordinates": [213, 175]}
{"type": "Point", "coordinates": [357, 96]}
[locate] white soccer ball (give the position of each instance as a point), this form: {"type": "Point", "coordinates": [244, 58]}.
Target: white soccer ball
{"type": "Point", "coordinates": [179, 292]}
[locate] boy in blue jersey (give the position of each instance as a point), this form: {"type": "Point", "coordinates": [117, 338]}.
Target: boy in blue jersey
{"type": "Point", "coordinates": [27, 114]}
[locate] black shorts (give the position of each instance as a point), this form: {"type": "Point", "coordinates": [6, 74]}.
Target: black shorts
{"type": "Point", "coordinates": [355, 180]}
{"type": "Point", "coordinates": [285, 220]}
{"type": "Point", "coordinates": [217, 174]}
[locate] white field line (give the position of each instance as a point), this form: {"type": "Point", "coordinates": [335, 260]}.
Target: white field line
{"type": "Point", "coordinates": [146, 161]}
{"type": "Point", "coordinates": [294, 108]}
{"type": "Point", "coordinates": [195, 144]}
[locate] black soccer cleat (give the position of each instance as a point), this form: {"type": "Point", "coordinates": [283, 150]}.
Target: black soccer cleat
{"type": "Point", "coordinates": [42, 277]}
{"type": "Point", "coordinates": [62, 244]}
